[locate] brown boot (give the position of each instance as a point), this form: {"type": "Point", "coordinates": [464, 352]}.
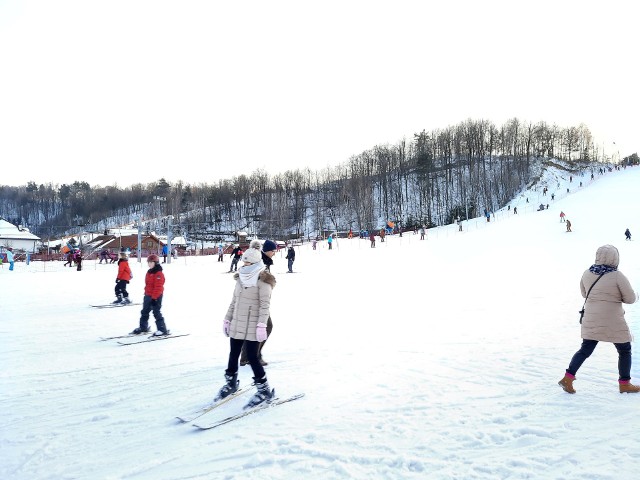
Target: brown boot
{"type": "Point", "coordinates": [567, 383]}
{"type": "Point", "coordinates": [628, 387]}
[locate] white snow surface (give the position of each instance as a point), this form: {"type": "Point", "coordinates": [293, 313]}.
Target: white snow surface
{"type": "Point", "coordinates": [430, 359]}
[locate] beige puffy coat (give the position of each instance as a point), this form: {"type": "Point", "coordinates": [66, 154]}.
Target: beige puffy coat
{"type": "Point", "coordinates": [250, 306]}
{"type": "Point", "coordinates": [603, 313]}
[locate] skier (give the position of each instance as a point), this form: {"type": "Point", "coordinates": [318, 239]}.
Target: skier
{"type": "Point", "coordinates": [124, 276]}
{"type": "Point", "coordinates": [246, 324]}
{"type": "Point", "coordinates": [152, 302]}
{"type": "Point", "coordinates": [568, 225]}
{"type": "Point", "coordinates": [291, 256]}
{"type": "Point", "coordinates": [562, 215]}
{"type": "Point", "coordinates": [603, 319]}
{"type": "Point", "coordinates": [627, 234]}
{"type": "Point", "coordinates": [372, 239]}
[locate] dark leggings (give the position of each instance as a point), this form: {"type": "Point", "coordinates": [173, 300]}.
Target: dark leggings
{"type": "Point", "coordinates": [121, 288]}
{"type": "Point", "coordinates": [252, 354]}
{"type": "Point", "coordinates": [587, 348]}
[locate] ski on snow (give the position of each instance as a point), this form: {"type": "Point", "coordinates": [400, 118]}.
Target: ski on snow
{"type": "Point", "coordinates": [263, 406]}
{"type": "Point", "coordinates": [129, 335]}
{"type": "Point", "coordinates": [115, 305]}
{"type": "Point", "coordinates": [213, 405]}
{"type": "Point", "coordinates": [153, 338]}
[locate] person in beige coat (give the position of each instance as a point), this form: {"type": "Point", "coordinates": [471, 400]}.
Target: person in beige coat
{"type": "Point", "coordinates": [603, 319]}
{"type": "Point", "coordinates": [246, 324]}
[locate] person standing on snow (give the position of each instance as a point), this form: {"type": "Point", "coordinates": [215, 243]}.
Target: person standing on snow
{"type": "Point", "coordinates": [165, 252]}
{"type": "Point", "coordinates": [10, 259]}
{"type": "Point", "coordinates": [568, 225]}
{"type": "Point", "coordinates": [627, 234]}
{"type": "Point", "coordinates": [562, 216]}
{"type": "Point", "coordinates": [122, 279]}
{"type": "Point", "coordinates": [603, 319]}
{"type": "Point", "coordinates": [236, 255]}
{"type": "Point", "coordinates": [245, 323]}
{"type": "Point", "coordinates": [291, 256]}
{"type": "Point", "coordinates": [152, 301]}
{"type": "Point", "coordinates": [269, 249]}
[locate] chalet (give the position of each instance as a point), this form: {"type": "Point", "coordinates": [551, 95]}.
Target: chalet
{"type": "Point", "coordinates": [149, 243]}
{"type": "Point", "coordinates": [17, 238]}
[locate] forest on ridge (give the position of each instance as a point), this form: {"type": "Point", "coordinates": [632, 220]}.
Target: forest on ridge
{"type": "Point", "coordinates": [427, 180]}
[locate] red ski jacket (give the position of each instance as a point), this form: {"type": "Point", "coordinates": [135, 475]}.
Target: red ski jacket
{"type": "Point", "coordinates": [154, 282]}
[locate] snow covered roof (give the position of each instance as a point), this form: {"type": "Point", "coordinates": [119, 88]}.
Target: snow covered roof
{"type": "Point", "coordinates": [9, 231]}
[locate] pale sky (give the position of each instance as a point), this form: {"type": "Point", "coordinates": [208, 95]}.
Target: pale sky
{"type": "Point", "coordinates": [132, 91]}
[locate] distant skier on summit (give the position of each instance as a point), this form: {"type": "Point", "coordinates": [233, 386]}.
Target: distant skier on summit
{"type": "Point", "coordinates": [627, 234]}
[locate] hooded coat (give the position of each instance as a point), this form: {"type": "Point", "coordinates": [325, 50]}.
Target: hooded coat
{"type": "Point", "coordinates": [250, 306]}
{"type": "Point", "coordinates": [603, 313]}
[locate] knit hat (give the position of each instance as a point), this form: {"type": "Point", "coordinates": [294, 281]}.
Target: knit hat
{"type": "Point", "coordinates": [269, 245]}
{"type": "Point", "coordinates": [252, 255]}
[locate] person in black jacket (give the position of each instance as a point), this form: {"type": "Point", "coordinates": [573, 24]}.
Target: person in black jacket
{"type": "Point", "coordinates": [291, 256]}
{"type": "Point", "coordinates": [269, 249]}
{"type": "Point", "coordinates": [236, 255]}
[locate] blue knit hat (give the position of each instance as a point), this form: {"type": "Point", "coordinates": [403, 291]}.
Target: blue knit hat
{"type": "Point", "coordinates": [269, 245]}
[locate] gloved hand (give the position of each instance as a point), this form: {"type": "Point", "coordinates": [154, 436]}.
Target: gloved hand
{"type": "Point", "coordinates": [131, 277]}
{"type": "Point", "coordinates": [261, 332]}
{"type": "Point", "coordinates": [226, 325]}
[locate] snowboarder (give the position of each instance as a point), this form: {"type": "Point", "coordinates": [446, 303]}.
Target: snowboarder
{"type": "Point", "coordinates": [124, 276]}
{"type": "Point", "coordinates": [152, 301]}
{"type": "Point", "coordinates": [568, 225]}
{"type": "Point", "coordinates": [245, 323]}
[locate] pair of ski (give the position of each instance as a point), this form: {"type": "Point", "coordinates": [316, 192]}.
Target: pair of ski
{"type": "Point", "coordinates": [113, 305]}
{"type": "Point", "coordinates": [144, 339]}
{"type": "Point", "coordinates": [217, 423]}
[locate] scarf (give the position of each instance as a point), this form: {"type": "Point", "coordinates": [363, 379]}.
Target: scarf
{"type": "Point", "coordinates": [248, 274]}
{"type": "Point", "coordinates": [602, 269]}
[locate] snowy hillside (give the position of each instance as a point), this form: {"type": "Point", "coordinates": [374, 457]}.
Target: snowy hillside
{"type": "Point", "coordinates": [419, 359]}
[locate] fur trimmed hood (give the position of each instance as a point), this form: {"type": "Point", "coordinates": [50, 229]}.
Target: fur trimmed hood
{"type": "Point", "coordinates": [264, 276]}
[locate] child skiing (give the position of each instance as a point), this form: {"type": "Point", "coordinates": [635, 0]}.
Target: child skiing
{"type": "Point", "coordinates": [152, 302]}
{"type": "Point", "coordinates": [124, 276]}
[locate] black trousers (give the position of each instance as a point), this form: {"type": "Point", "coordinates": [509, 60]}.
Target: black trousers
{"type": "Point", "coordinates": [121, 289]}
{"type": "Point", "coordinates": [149, 305]}
{"type": "Point", "coordinates": [251, 348]}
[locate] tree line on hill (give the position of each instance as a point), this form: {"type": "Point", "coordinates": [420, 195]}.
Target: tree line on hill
{"type": "Point", "coordinates": [428, 180]}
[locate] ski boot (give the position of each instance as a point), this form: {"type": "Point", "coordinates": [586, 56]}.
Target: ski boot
{"type": "Point", "coordinates": [230, 387]}
{"type": "Point", "coordinates": [264, 394]}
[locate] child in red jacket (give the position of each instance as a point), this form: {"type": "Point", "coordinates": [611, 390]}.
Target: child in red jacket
{"type": "Point", "coordinates": [153, 290]}
{"type": "Point", "coordinates": [124, 276]}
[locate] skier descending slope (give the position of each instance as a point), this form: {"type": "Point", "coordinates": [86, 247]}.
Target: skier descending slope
{"type": "Point", "coordinates": [246, 323]}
